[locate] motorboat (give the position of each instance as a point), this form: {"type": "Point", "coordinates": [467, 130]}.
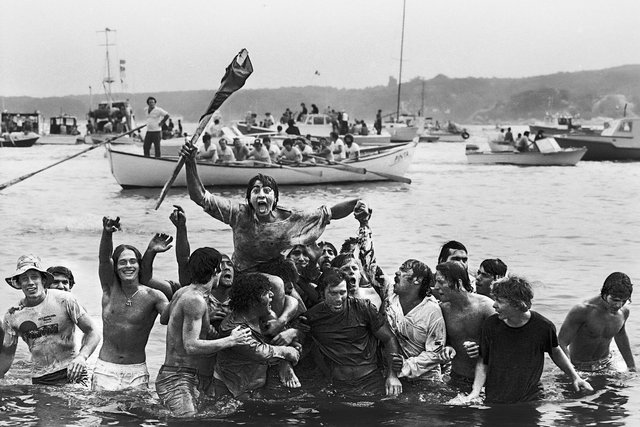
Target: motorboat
{"type": "Point", "coordinates": [546, 152]}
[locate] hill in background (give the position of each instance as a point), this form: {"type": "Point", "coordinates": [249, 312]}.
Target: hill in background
{"type": "Point", "coordinates": [587, 94]}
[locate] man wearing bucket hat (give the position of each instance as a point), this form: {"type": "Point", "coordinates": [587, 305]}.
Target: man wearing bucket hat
{"type": "Point", "coordinates": [46, 321]}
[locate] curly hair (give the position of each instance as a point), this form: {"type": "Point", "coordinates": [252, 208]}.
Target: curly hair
{"type": "Point", "coordinates": [617, 285]}
{"type": "Point", "coordinates": [247, 291]}
{"type": "Point", "coordinates": [423, 272]}
{"type": "Point", "coordinates": [516, 290]}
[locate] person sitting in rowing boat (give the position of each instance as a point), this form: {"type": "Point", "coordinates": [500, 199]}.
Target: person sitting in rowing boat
{"type": "Point", "coordinates": [262, 230]}
{"type": "Point", "coordinates": [226, 153]}
{"type": "Point", "coordinates": [289, 153]}
{"type": "Point", "coordinates": [325, 150]}
{"type": "Point", "coordinates": [305, 149]}
{"type": "Point", "coordinates": [259, 152]}
{"type": "Point", "coordinates": [240, 150]}
{"type": "Point", "coordinates": [273, 149]}
{"type": "Point", "coordinates": [352, 150]}
{"type": "Point", "coordinates": [208, 150]}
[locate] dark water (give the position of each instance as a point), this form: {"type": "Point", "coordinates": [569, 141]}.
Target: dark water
{"type": "Point", "coordinates": [565, 229]}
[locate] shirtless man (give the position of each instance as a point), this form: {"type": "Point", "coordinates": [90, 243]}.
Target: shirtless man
{"type": "Point", "coordinates": [46, 320]}
{"type": "Point", "coordinates": [187, 370]}
{"type": "Point", "coordinates": [587, 331]}
{"type": "Point", "coordinates": [129, 310]}
{"type": "Point", "coordinates": [463, 312]}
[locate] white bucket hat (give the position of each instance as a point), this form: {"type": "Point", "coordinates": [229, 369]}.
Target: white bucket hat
{"type": "Point", "coordinates": [26, 263]}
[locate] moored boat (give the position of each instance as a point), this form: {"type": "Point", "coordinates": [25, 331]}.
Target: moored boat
{"type": "Point", "coordinates": [321, 125]}
{"type": "Point", "coordinates": [18, 140]}
{"type": "Point", "coordinates": [548, 154]}
{"type": "Point", "coordinates": [619, 141]}
{"type": "Point", "coordinates": [377, 164]}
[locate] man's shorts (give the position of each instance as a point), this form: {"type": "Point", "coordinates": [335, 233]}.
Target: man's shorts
{"type": "Point", "coordinates": [114, 376]}
{"type": "Point", "coordinates": [604, 364]}
{"type": "Point", "coordinates": [177, 388]}
{"type": "Point", "coordinates": [60, 378]}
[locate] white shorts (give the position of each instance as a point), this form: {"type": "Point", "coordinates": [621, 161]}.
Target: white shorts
{"type": "Point", "coordinates": [113, 376]}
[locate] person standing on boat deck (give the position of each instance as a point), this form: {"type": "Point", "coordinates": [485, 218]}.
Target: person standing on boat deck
{"type": "Point", "coordinates": [512, 347]}
{"type": "Point", "coordinates": [259, 152]}
{"type": "Point", "coordinates": [226, 153]}
{"type": "Point", "coordinates": [155, 117]}
{"type": "Point", "coordinates": [129, 310]}
{"type": "Point", "coordinates": [289, 153]}
{"type": "Point", "coordinates": [262, 230]}
{"type": "Point", "coordinates": [352, 150]}
{"type": "Point", "coordinates": [303, 112]}
{"type": "Point", "coordinates": [416, 320]}
{"type": "Point", "coordinates": [378, 123]}
{"type": "Point", "coordinates": [464, 313]}
{"type": "Point", "coordinates": [489, 271]}
{"type": "Point", "coordinates": [587, 331]}
{"type": "Point", "coordinates": [240, 150]}
{"type": "Point", "coordinates": [46, 320]}
{"type": "Point", "coordinates": [500, 137]}
{"type": "Point", "coordinates": [208, 150]}
{"type": "Point", "coordinates": [215, 129]}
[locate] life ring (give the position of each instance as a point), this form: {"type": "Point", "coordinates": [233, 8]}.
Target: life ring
{"type": "Point", "coordinates": [464, 135]}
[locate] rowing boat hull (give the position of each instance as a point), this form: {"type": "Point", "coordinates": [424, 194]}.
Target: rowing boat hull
{"type": "Point", "coordinates": [135, 171]}
{"type": "Point", "coordinates": [569, 157]}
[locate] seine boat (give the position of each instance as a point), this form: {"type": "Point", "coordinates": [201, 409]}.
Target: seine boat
{"type": "Point", "coordinates": [619, 141]}
{"type": "Point", "coordinates": [389, 162]}
{"type": "Point", "coordinates": [548, 154]}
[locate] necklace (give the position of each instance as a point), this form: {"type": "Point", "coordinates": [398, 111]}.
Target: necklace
{"type": "Point", "coordinates": [128, 303]}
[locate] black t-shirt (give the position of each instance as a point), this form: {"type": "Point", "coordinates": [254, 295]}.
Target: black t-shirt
{"type": "Point", "coordinates": [515, 357]}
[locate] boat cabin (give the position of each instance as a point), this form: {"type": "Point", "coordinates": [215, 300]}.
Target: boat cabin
{"type": "Point", "coordinates": [22, 122]}
{"type": "Point", "coordinates": [113, 117]}
{"type": "Point", "coordinates": [63, 125]}
{"type": "Point", "coordinates": [623, 128]}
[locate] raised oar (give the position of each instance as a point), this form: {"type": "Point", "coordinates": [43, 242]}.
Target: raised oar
{"type": "Point", "coordinates": [354, 169]}
{"type": "Point", "coordinates": [23, 177]}
{"type": "Point", "coordinates": [234, 78]}
{"type": "Point", "coordinates": [295, 169]}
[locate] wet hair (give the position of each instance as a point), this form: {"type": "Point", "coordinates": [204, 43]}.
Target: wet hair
{"type": "Point", "coordinates": [423, 272]}
{"type": "Point", "coordinates": [447, 248]}
{"type": "Point", "coordinates": [116, 256]}
{"type": "Point", "coordinates": [617, 285]}
{"type": "Point", "coordinates": [494, 267]}
{"type": "Point", "coordinates": [59, 269]}
{"type": "Point", "coordinates": [345, 258]}
{"type": "Point", "coordinates": [329, 279]}
{"type": "Point", "coordinates": [266, 181]}
{"type": "Point", "coordinates": [516, 290]}
{"type": "Point", "coordinates": [203, 264]}
{"type": "Point", "coordinates": [247, 291]}
{"type": "Point", "coordinates": [346, 245]}
{"type": "Point", "coordinates": [150, 98]}
{"type": "Point", "coordinates": [281, 267]}
{"type": "Point", "coordinates": [455, 273]}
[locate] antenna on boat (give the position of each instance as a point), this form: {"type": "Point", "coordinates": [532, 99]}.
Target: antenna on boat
{"type": "Point", "coordinates": [404, 4]}
{"type": "Point", "coordinates": [108, 80]}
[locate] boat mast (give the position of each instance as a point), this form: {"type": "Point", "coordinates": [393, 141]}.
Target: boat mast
{"type": "Point", "coordinates": [108, 80]}
{"type": "Point", "coordinates": [404, 4]}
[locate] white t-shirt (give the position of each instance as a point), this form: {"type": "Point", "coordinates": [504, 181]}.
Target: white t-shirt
{"type": "Point", "coordinates": [336, 144]}
{"type": "Point", "coordinates": [153, 118]}
{"type": "Point", "coordinates": [353, 151]}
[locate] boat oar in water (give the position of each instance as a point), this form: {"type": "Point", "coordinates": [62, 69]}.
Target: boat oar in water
{"type": "Point", "coordinates": [234, 78]}
{"type": "Point", "coordinates": [295, 169]}
{"type": "Point", "coordinates": [354, 169]}
{"type": "Point", "coordinates": [23, 177]}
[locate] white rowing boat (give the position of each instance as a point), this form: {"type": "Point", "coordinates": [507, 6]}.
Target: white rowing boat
{"type": "Point", "coordinates": [376, 164]}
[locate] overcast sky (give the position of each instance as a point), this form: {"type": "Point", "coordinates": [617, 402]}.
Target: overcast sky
{"type": "Point", "coordinates": [51, 48]}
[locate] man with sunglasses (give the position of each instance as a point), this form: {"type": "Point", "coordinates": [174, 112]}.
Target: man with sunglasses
{"type": "Point", "coordinates": [587, 331]}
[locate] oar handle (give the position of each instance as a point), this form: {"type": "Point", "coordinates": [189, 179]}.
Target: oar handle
{"type": "Point", "coordinates": [23, 177]}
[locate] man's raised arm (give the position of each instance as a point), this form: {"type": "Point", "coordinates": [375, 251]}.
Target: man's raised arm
{"type": "Point", "coordinates": [160, 242]}
{"type": "Point", "coordinates": [105, 268]}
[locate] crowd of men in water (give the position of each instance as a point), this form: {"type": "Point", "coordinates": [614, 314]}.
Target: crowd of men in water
{"type": "Point", "coordinates": [288, 303]}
